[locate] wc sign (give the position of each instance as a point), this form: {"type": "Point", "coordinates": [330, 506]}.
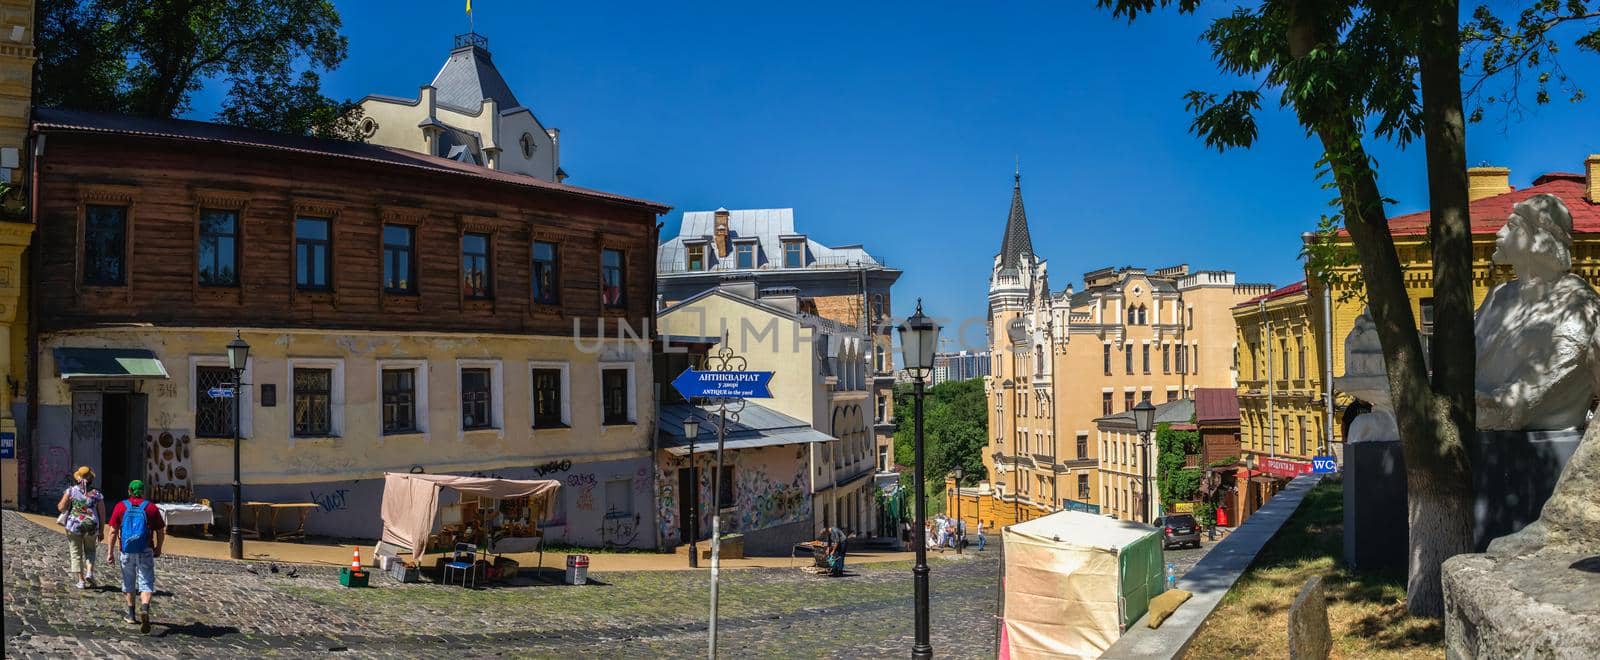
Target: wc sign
{"type": "Point", "coordinates": [1324, 465]}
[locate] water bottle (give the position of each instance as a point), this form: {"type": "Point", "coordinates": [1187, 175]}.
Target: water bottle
{"type": "Point", "coordinates": [1172, 575]}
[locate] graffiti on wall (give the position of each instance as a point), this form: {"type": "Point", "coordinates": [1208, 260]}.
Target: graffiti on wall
{"type": "Point", "coordinates": [667, 503]}
{"type": "Point", "coordinates": [332, 500]}
{"type": "Point", "coordinates": [766, 502]}
{"type": "Point", "coordinates": [618, 529]}
{"type": "Point", "coordinates": [553, 466]}
{"type": "Point", "coordinates": [55, 467]}
{"type": "Point", "coordinates": [582, 486]}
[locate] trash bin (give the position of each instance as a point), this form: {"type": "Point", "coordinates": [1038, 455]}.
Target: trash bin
{"type": "Point", "coordinates": [577, 569]}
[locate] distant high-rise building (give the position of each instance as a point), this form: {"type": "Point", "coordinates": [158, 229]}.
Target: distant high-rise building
{"type": "Point", "coordinates": [960, 366]}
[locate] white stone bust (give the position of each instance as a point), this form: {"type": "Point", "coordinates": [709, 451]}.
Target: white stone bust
{"type": "Point", "coordinates": [1366, 378]}
{"type": "Point", "coordinates": [1535, 335]}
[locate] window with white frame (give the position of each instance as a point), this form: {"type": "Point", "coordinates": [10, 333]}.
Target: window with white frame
{"type": "Point", "coordinates": [552, 407]}
{"type": "Point", "coordinates": [316, 393]}
{"type": "Point", "coordinates": [480, 389]}
{"type": "Point", "coordinates": [617, 405]}
{"type": "Point", "coordinates": [214, 417]}
{"type": "Point", "coordinates": [403, 396]}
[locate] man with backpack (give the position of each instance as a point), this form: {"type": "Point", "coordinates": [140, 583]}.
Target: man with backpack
{"type": "Point", "coordinates": [137, 531]}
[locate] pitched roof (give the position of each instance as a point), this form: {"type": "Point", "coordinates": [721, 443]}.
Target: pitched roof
{"type": "Point", "coordinates": [1017, 240]}
{"type": "Point", "coordinates": [768, 228]}
{"type": "Point", "coordinates": [1489, 214]}
{"type": "Point", "coordinates": [1216, 404]}
{"type": "Point", "coordinates": [468, 77]}
{"type": "Point", "coordinates": [1292, 289]}
{"type": "Point", "coordinates": [1180, 411]}
{"type": "Point", "coordinates": [183, 130]}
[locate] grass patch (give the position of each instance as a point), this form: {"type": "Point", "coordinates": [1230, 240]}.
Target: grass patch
{"type": "Point", "coordinates": [1366, 612]}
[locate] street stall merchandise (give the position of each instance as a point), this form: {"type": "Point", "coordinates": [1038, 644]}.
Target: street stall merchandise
{"type": "Point", "coordinates": [425, 513]}
{"type": "Point", "coordinates": [1075, 581]}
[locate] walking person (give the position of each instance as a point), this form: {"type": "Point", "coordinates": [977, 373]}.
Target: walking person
{"type": "Point", "coordinates": [137, 532]}
{"type": "Point", "coordinates": [82, 511]}
{"type": "Point", "coordinates": [979, 530]}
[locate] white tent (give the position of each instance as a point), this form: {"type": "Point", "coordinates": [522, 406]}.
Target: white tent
{"type": "Point", "coordinates": [1075, 581]}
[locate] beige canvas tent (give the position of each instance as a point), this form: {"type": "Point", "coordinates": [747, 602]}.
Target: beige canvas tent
{"type": "Point", "coordinates": [1074, 581]}
{"type": "Point", "coordinates": [411, 502]}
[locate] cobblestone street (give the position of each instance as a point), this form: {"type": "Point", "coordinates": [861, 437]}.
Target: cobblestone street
{"type": "Point", "coordinates": [208, 607]}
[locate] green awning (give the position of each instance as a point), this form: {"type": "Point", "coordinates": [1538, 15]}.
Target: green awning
{"type": "Point", "coordinates": [81, 363]}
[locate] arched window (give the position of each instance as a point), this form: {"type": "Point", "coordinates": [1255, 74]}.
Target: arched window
{"type": "Point", "coordinates": [1038, 359]}
{"type": "Point", "coordinates": [1142, 319]}
{"type": "Point", "coordinates": [1131, 315]}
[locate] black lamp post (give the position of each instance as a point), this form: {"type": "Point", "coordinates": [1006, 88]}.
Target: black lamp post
{"type": "Point", "coordinates": [919, 338]}
{"type": "Point", "coordinates": [959, 522]}
{"type": "Point", "coordinates": [238, 356]}
{"type": "Point", "coordinates": [1144, 417]}
{"type": "Point", "coordinates": [691, 430]}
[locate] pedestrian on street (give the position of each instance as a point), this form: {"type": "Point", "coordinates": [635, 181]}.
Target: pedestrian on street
{"type": "Point", "coordinates": [979, 530]}
{"type": "Point", "coordinates": [835, 537]}
{"type": "Point", "coordinates": [137, 532]}
{"type": "Point", "coordinates": [82, 511]}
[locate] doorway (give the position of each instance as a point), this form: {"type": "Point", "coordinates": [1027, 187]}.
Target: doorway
{"type": "Point", "coordinates": [687, 487]}
{"type": "Point", "coordinates": [108, 436]}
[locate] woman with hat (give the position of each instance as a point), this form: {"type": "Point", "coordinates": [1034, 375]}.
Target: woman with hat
{"type": "Point", "coordinates": [82, 510]}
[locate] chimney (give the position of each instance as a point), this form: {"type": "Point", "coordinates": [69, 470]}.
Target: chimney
{"type": "Point", "coordinates": [1591, 178]}
{"type": "Point", "coordinates": [739, 284]}
{"type": "Point", "coordinates": [785, 297]}
{"type": "Point", "coordinates": [1487, 181]}
{"type": "Point", "coordinates": [722, 232]}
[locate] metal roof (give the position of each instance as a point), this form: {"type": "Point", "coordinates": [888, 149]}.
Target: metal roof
{"type": "Point", "coordinates": [48, 119]}
{"type": "Point", "coordinates": [757, 426]}
{"type": "Point", "coordinates": [1171, 412]}
{"type": "Point", "coordinates": [468, 77]}
{"type": "Point", "coordinates": [768, 228]}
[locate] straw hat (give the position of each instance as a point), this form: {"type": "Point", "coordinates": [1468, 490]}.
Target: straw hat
{"type": "Point", "coordinates": [83, 474]}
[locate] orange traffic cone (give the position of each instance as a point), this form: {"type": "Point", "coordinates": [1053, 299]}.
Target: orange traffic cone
{"type": "Point", "coordinates": [355, 559]}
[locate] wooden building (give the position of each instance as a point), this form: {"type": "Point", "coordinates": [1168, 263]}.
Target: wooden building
{"type": "Point", "coordinates": [405, 313]}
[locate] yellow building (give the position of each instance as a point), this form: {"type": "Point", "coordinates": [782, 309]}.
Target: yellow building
{"type": "Point", "coordinates": [16, 95]}
{"type": "Point", "coordinates": [1492, 199]}
{"type": "Point", "coordinates": [1282, 412]}
{"type": "Point", "coordinates": [1129, 335]}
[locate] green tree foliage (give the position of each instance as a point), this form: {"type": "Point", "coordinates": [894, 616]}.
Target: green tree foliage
{"type": "Point", "coordinates": [148, 57]}
{"type": "Point", "coordinates": [1174, 482]}
{"type": "Point", "coordinates": [1353, 70]}
{"type": "Point", "coordinates": [955, 428]}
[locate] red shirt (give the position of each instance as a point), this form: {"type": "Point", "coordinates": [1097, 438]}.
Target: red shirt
{"type": "Point", "coordinates": [152, 515]}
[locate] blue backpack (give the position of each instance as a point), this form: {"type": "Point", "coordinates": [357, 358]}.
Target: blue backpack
{"type": "Point", "coordinates": [135, 530]}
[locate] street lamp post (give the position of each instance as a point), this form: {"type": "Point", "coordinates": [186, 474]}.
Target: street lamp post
{"type": "Point", "coordinates": [238, 355]}
{"type": "Point", "coordinates": [1144, 417]}
{"type": "Point", "coordinates": [919, 337]}
{"type": "Point", "coordinates": [959, 522]}
{"type": "Point", "coordinates": [691, 430]}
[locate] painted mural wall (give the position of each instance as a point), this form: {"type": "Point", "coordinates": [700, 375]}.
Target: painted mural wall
{"type": "Point", "coordinates": [770, 490]}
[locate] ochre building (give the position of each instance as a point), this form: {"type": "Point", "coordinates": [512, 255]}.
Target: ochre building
{"type": "Point", "coordinates": [1130, 334]}
{"type": "Point", "coordinates": [1282, 409]}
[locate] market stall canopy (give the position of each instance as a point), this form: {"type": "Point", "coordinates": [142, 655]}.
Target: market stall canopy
{"type": "Point", "coordinates": [88, 363]}
{"type": "Point", "coordinates": [411, 502]}
{"type": "Point", "coordinates": [757, 426]}
{"type": "Point", "coordinates": [1075, 581]}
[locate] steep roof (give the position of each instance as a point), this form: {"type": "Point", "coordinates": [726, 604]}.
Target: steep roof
{"type": "Point", "coordinates": [183, 130]}
{"type": "Point", "coordinates": [768, 228]}
{"type": "Point", "coordinates": [469, 76]}
{"type": "Point", "coordinates": [1017, 241]}
{"type": "Point", "coordinates": [1489, 214]}
{"type": "Point", "coordinates": [1216, 404]}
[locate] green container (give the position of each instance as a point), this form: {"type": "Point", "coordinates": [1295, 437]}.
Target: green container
{"type": "Point", "coordinates": [349, 579]}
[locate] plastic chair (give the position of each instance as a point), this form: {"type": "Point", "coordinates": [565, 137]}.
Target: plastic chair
{"type": "Point", "coordinates": [464, 559]}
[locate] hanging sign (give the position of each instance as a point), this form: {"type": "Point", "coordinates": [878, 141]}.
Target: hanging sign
{"type": "Point", "coordinates": [220, 393]}
{"type": "Point", "coordinates": [724, 384]}
{"type": "Point", "coordinates": [1324, 465]}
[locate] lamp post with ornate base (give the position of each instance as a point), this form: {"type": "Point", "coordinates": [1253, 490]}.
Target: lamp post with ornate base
{"type": "Point", "coordinates": [919, 338]}
{"type": "Point", "coordinates": [238, 355]}
{"type": "Point", "coordinates": [691, 430]}
{"type": "Point", "coordinates": [1144, 416]}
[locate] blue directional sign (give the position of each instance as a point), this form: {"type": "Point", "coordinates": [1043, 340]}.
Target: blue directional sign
{"type": "Point", "coordinates": [1324, 465]}
{"type": "Point", "coordinates": [723, 384]}
{"type": "Point", "coordinates": [220, 393]}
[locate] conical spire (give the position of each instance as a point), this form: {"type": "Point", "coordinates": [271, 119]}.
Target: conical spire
{"type": "Point", "coordinates": [1017, 241]}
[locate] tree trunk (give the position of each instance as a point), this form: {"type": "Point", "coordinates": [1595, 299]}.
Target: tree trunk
{"type": "Point", "coordinates": [1438, 504]}
{"type": "Point", "coordinates": [1441, 504]}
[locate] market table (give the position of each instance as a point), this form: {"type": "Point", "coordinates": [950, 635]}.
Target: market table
{"type": "Point", "coordinates": [304, 509]}
{"type": "Point", "coordinates": [175, 513]}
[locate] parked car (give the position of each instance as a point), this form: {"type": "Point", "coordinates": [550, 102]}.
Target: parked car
{"type": "Point", "coordinates": [1178, 529]}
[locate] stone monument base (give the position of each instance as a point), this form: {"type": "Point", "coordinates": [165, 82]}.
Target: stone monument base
{"type": "Point", "coordinates": [1542, 605]}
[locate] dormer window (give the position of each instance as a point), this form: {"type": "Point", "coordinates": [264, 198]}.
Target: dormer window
{"type": "Point", "coordinates": [697, 257]}
{"type": "Point", "coordinates": [794, 254]}
{"type": "Point", "coordinates": [745, 254]}
{"type": "Point", "coordinates": [528, 145]}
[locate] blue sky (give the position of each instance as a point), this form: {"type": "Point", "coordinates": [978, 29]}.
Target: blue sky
{"type": "Point", "coordinates": [896, 124]}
